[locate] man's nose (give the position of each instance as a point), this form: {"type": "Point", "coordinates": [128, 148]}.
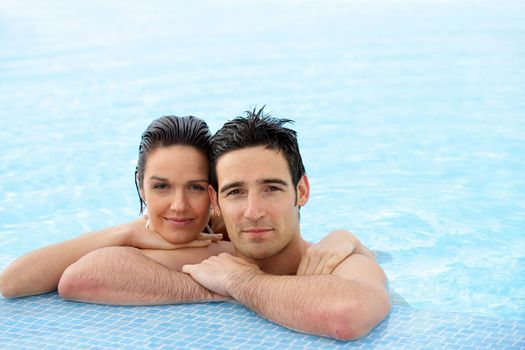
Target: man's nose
{"type": "Point", "coordinates": [178, 201]}
{"type": "Point", "coordinates": [254, 207]}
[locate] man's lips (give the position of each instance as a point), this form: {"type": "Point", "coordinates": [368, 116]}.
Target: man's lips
{"type": "Point", "coordinates": [257, 231]}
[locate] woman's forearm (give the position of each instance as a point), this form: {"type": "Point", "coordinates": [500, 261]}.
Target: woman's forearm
{"type": "Point", "coordinates": [39, 271]}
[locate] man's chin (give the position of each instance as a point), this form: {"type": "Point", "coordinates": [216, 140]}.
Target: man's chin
{"type": "Point", "coordinates": [257, 254]}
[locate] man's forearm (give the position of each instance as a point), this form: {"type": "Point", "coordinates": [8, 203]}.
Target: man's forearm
{"type": "Point", "coordinates": [125, 276]}
{"type": "Point", "coordinates": [324, 305]}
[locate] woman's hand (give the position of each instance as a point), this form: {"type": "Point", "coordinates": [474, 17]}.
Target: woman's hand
{"type": "Point", "coordinates": [324, 256]}
{"type": "Point", "coordinates": [140, 237]}
{"type": "Point", "coordinates": [213, 237]}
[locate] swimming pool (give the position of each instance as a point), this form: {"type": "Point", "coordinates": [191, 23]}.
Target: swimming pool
{"type": "Point", "coordinates": [410, 119]}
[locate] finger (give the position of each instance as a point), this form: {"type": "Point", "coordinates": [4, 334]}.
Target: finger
{"type": "Point", "coordinates": [327, 265]}
{"type": "Point", "coordinates": [216, 237]}
{"type": "Point", "coordinates": [312, 266]}
{"type": "Point", "coordinates": [198, 244]}
{"type": "Point", "coordinates": [187, 269]}
{"type": "Point", "coordinates": [319, 266]}
{"type": "Point", "coordinates": [302, 266]}
{"type": "Point", "coordinates": [161, 244]}
{"type": "Point", "coordinates": [213, 236]}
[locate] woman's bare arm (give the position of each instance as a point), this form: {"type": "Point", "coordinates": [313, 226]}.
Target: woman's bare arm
{"type": "Point", "coordinates": [39, 271]}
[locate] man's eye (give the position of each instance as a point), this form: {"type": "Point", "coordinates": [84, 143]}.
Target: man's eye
{"type": "Point", "coordinates": [160, 186]}
{"type": "Point", "coordinates": [273, 189]}
{"type": "Point", "coordinates": [235, 192]}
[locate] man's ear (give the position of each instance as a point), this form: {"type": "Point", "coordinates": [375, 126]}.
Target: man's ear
{"type": "Point", "coordinates": [214, 200]}
{"type": "Point", "coordinates": [303, 191]}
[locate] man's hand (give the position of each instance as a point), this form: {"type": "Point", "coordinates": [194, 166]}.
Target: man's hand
{"type": "Point", "coordinates": [323, 257]}
{"type": "Point", "coordinates": [218, 273]}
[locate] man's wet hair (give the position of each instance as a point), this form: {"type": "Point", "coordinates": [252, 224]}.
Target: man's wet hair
{"type": "Point", "coordinates": [257, 128]}
{"type": "Point", "coordinates": [168, 131]}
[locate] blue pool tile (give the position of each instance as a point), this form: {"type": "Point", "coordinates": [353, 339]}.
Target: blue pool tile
{"type": "Point", "coordinates": [46, 321]}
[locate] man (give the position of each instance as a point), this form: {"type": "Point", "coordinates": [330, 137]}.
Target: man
{"type": "Point", "coordinates": [259, 185]}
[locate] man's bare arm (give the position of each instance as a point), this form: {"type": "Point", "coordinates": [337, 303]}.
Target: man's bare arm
{"type": "Point", "coordinates": [324, 256]}
{"type": "Point", "coordinates": [129, 276]}
{"type": "Point", "coordinates": [345, 305]}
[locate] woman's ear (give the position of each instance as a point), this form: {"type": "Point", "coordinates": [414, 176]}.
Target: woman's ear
{"type": "Point", "coordinates": [303, 191]}
{"type": "Point", "coordinates": [140, 187]}
{"type": "Point", "coordinates": [214, 200]}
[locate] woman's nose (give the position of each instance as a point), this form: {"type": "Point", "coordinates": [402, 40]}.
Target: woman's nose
{"type": "Point", "coordinates": [178, 201]}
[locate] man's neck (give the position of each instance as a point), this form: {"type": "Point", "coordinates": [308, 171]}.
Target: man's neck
{"type": "Point", "coordinates": [285, 262]}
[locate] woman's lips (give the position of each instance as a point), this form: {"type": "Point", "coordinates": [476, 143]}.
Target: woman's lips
{"type": "Point", "coordinates": [179, 222]}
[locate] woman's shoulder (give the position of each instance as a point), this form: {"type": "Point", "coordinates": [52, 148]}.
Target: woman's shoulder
{"type": "Point", "coordinates": [140, 221]}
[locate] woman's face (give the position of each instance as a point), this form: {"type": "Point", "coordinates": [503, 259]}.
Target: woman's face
{"type": "Point", "coordinates": [175, 190]}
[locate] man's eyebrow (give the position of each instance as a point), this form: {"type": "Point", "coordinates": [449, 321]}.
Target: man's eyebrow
{"type": "Point", "coordinates": [231, 185]}
{"type": "Point", "coordinates": [259, 182]}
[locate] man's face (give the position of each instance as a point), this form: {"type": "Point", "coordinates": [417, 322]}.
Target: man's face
{"type": "Point", "coordinates": [258, 201]}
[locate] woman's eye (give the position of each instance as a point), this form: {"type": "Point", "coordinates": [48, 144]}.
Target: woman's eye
{"type": "Point", "coordinates": [197, 188]}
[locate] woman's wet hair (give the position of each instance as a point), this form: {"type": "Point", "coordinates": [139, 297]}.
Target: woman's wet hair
{"type": "Point", "coordinates": [168, 131]}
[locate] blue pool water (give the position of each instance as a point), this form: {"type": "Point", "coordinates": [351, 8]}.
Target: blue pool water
{"type": "Point", "coordinates": [410, 118]}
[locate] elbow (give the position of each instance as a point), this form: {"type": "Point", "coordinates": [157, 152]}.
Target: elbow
{"type": "Point", "coordinates": [78, 284]}
{"type": "Point", "coordinates": [343, 324]}
{"type": "Point", "coordinates": [71, 284]}
{"type": "Point", "coordinates": [353, 320]}
{"type": "Point", "coordinates": [10, 286]}
{"type": "Point", "coordinates": [83, 280]}
{"type": "Point", "coordinates": [6, 289]}
{"type": "Point", "coordinates": [67, 286]}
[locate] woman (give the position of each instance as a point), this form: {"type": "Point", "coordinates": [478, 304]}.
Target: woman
{"type": "Point", "coordinates": [172, 181]}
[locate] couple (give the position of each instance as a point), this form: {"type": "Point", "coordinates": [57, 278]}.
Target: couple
{"type": "Point", "coordinates": [252, 173]}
